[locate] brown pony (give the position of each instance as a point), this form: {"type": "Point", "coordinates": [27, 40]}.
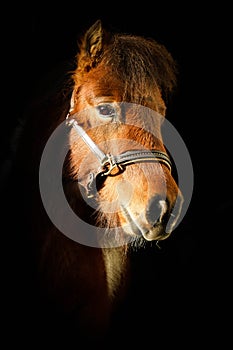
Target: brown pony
{"type": "Point", "coordinates": [116, 175]}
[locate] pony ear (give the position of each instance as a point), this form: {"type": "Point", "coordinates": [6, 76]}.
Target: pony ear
{"type": "Point", "coordinates": [93, 39]}
{"type": "Point", "coordinates": [92, 46]}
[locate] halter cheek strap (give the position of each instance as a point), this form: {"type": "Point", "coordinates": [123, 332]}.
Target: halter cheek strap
{"type": "Point", "coordinates": [89, 142]}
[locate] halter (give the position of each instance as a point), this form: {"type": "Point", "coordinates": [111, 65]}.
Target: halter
{"type": "Point", "coordinates": [112, 165]}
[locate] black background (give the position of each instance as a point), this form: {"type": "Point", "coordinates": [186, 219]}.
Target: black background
{"type": "Point", "coordinates": [196, 262]}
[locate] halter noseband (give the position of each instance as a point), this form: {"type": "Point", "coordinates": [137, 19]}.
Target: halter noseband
{"type": "Point", "coordinates": [110, 163]}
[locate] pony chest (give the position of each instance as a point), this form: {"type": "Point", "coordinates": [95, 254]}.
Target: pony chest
{"type": "Point", "coordinates": [115, 263]}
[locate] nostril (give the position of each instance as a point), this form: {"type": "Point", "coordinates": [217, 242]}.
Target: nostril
{"type": "Point", "coordinates": [156, 210]}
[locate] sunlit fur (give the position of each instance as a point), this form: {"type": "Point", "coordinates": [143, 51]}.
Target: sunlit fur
{"type": "Point", "coordinates": [138, 72]}
{"type": "Point", "coordinates": [82, 281]}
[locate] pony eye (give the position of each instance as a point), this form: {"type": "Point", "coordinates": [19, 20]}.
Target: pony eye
{"type": "Point", "coordinates": [106, 110]}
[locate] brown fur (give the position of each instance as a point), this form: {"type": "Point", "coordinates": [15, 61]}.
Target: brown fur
{"type": "Point", "coordinates": [83, 281]}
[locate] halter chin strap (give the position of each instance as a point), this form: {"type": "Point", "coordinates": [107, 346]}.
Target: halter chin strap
{"type": "Point", "coordinates": [112, 165]}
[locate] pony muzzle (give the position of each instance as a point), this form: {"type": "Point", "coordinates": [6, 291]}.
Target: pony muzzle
{"type": "Point", "coordinates": [156, 223]}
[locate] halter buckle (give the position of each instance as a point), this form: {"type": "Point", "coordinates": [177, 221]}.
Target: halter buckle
{"type": "Point", "coordinates": [109, 164]}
